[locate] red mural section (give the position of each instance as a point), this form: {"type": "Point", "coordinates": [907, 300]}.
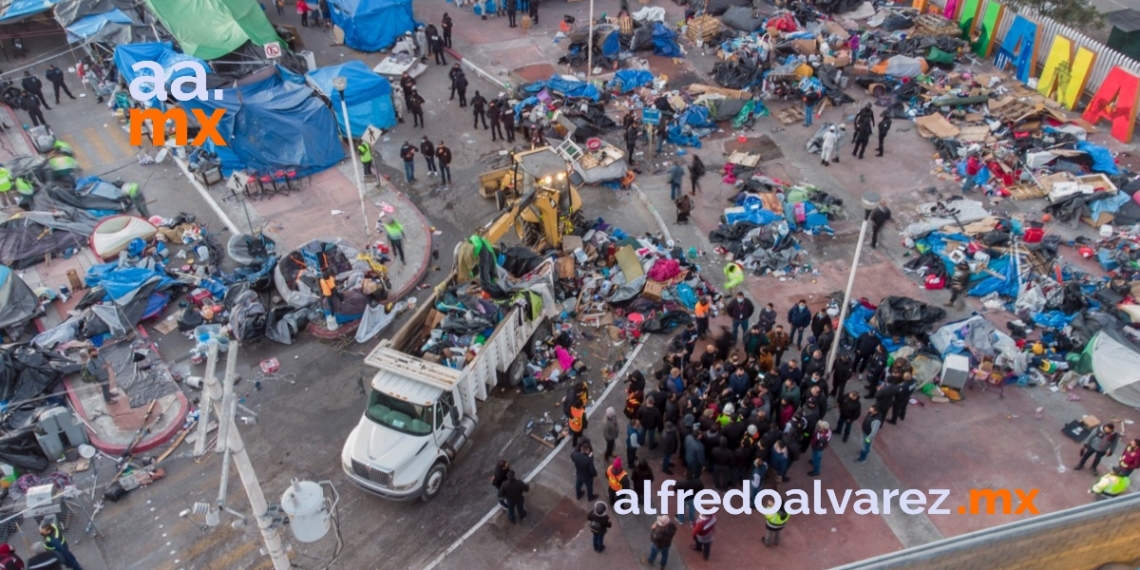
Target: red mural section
{"type": "Point", "coordinates": [1116, 101]}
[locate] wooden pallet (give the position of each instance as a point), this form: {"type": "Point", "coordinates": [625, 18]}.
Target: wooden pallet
{"type": "Point", "coordinates": [744, 158]}
{"type": "Point", "coordinates": [1026, 192]}
{"type": "Point", "coordinates": [791, 115]}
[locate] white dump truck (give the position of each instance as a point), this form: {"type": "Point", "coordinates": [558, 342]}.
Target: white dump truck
{"type": "Point", "coordinates": [420, 413]}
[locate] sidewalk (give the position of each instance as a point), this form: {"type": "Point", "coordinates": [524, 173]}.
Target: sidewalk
{"type": "Point", "coordinates": [328, 206]}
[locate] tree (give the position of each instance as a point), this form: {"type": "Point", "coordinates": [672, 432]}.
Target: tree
{"type": "Point", "coordinates": [1079, 14]}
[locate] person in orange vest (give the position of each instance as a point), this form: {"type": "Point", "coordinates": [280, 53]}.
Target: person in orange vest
{"type": "Point", "coordinates": [701, 312]}
{"type": "Point", "coordinates": [617, 478]}
{"type": "Point", "coordinates": [633, 398]}
{"type": "Point", "coordinates": [577, 421]}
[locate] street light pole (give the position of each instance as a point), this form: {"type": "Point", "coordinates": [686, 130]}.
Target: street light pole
{"type": "Point", "coordinates": [870, 200]}
{"type": "Point", "coordinates": [589, 44]}
{"type": "Point", "coordinates": [340, 83]}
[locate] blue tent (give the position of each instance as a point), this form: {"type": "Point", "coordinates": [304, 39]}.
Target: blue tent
{"type": "Point", "coordinates": [271, 124]}
{"type": "Point", "coordinates": [20, 9]}
{"type": "Point", "coordinates": [372, 25]}
{"type": "Point", "coordinates": [368, 95]}
{"type": "Point", "coordinates": [160, 52]}
{"type": "Point", "coordinates": [88, 26]}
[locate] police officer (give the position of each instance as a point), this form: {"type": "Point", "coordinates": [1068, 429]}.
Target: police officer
{"type": "Point", "coordinates": [365, 151]}
{"type": "Point", "coordinates": [435, 45]}
{"type": "Point", "coordinates": [428, 151]}
{"type": "Point", "coordinates": [416, 106]}
{"type": "Point", "coordinates": [479, 107]}
{"type": "Point", "coordinates": [408, 155]}
{"type": "Point", "coordinates": [133, 193]}
{"type": "Point", "coordinates": [29, 103]}
{"type": "Point", "coordinates": [407, 83]}
{"type": "Point", "coordinates": [7, 196]}
{"type": "Point", "coordinates": [446, 25]}
{"type": "Point", "coordinates": [512, 11]}
{"type": "Point", "coordinates": [507, 116]}
{"type": "Point", "coordinates": [55, 541]}
{"type": "Point", "coordinates": [493, 113]}
{"type": "Point", "coordinates": [444, 155]}
{"type": "Point", "coordinates": [452, 74]}
{"type": "Point", "coordinates": [33, 85]}
{"type": "Point", "coordinates": [461, 87]}
{"type": "Point", "coordinates": [54, 76]}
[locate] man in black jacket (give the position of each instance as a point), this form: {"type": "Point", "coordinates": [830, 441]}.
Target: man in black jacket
{"type": "Point", "coordinates": [508, 119]}
{"type": "Point", "coordinates": [740, 309]}
{"type": "Point", "coordinates": [435, 44]}
{"type": "Point", "coordinates": [902, 398]}
{"type": "Point", "coordinates": [452, 74]}
{"type": "Point", "coordinates": [29, 103]}
{"type": "Point", "coordinates": [512, 492]}
{"type": "Point", "coordinates": [840, 373]}
{"type": "Point", "coordinates": [875, 370]}
{"type": "Point", "coordinates": [884, 128]}
{"type": "Point", "coordinates": [461, 88]}
{"type": "Point", "coordinates": [650, 417]}
{"type": "Point", "coordinates": [416, 108]}
{"type": "Point", "coordinates": [493, 113]}
{"type": "Point", "coordinates": [428, 150]}
{"type": "Point", "coordinates": [722, 459]}
{"type": "Point", "coordinates": [670, 443]}
{"type": "Point", "coordinates": [879, 217]}
{"type": "Point", "coordinates": [444, 155]}
{"type": "Point", "coordinates": [479, 109]}
{"type": "Point", "coordinates": [584, 472]}
{"type": "Point", "coordinates": [885, 396]}
{"type": "Point", "coordinates": [54, 76]}
{"type": "Point", "coordinates": [33, 85]}
{"type": "Point", "coordinates": [865, 347]}
{"type": "Point", "coordinates": [512, 11]}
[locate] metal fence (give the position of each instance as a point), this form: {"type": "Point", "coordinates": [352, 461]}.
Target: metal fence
{"type": "Point", "coordinates": [1106, 58]}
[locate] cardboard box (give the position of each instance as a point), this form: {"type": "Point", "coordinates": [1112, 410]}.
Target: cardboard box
{"type": "Point", "coordinates": [805, 47]}
{"type": "Point", "coordinates": [839, 61]}
{"type": "Point", "coordinates": [859, 69]}
{"type": "Point", "coordinates": [570, 243]}
{"type": "Point", "coordinates": [653, 291]}
{"type": "Point", "coordinates": [1090, 421]}
{"type": "Point", "coordinates": [566, 267]}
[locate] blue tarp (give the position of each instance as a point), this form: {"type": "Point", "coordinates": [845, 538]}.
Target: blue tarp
{"type": "Point", "coordinates": [1006, 285]}
{"type": "Point", "coordinates": [665, 41]}
{"type": "Point", "coordinates": [1109, 205]}
{"type": "Point", "coordinates": [753, 211]}
{"type": "Point", "coordinates": [1101, 157]}
{"type": "Point", "coordinates": [19, 9]}
{"type": "Point", "coordinates": [272, 125]}
{"type": "Point", "coordinates": [678, 136]}
{"type": "Point", "coordinates": [858, 322]}
{"type": "Point", "coordinates": [160, 52]}
{"type": "Point", "coordinates": [567, 87]}
{"type": "Point", "coordinates": [697, 117]}
{"type": "Point", "coordinates": [627, 80]}
{"type": "Point", "coordinates": [372, 25]}
{"type": "Point", "coordinates": [1053, 319]}
{"type": "Point", "coordinates": [88, 26]}
{"type": "Point", "coordinates": [368, 96]}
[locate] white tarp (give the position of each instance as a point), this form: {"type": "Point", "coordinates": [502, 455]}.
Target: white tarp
{"type": "Point", "coordinates": [1115, 366]}
{"type": "Point", "coordinates": [967, 211]}
{"type": "Point", "coordinates": [649, 14]}
{"type": "Point", "coordinates": [113, 234]}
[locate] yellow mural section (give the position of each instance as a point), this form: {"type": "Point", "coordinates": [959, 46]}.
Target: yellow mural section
{"type": "Point", "coordinates": [1065, 75]}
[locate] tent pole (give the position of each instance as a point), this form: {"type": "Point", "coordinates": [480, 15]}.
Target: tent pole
{"type": "Point", "coordinates": [589, 44]}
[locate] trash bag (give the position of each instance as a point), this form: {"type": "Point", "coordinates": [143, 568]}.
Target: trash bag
{"type": "Point", "coordinates": [666, 322]}
{"type": "Point", "coordinates": [903, 316]}
{"type": "Point", "coordinates": [284, 323]}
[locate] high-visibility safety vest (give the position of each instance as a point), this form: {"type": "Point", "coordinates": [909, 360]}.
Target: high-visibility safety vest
{"type": "Point", "coordinates": [1117, 487]}
{"type": "Point", "coordinates": [131, 189]}
{"type": "Point", "coordinates": [777, 521]}
{"type": "Point", "coordinates": [615, 479]}
{"type": "Point", "coordinates": [701, 310]}
{"type": "Point", "coordinates": [576, 414]}
{"type": "Point", "coordinates": [5, 180]}
{"type": "Point", "coordinates": [24, 187]}
{"type": "Point", "coordinates": [55, 536]}
{"type": "Point", "coordinates": [365, 152]}
{"type": "Point", "coordinates": [394, 229]}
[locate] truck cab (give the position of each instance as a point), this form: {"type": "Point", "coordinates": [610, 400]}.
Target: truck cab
{"type": "Point", "coordinates": [413, 426]}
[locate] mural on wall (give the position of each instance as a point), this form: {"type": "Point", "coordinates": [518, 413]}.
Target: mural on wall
{"type": "Point", "coordinates": [966, 16]}
{"type": "Point", "coordinates": [985, 42]}
{"type": "Point", "coordinates": [1064, 76]}
{"type": "Point", "coordinates": [1019, 48]}
{"type": "Point", "coordinates": [1116, 101]}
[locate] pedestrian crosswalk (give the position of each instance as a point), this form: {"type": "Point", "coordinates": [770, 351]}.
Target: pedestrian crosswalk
{"type": "Point", "coordinates": [100, 146]}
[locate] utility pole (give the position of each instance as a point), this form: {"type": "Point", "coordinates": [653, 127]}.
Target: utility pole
{"type": "Point", "coordinates": [209, 384]}
{"type": "Point", "coordinates": [231, 444]}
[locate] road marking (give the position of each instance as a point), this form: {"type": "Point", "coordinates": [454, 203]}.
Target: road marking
{"type": "Point", "coordinates": [96, 141]}
{"type": "Point", "coordinates": [121, 140]}
{"type": "Point", "coordinates": [549, 457]}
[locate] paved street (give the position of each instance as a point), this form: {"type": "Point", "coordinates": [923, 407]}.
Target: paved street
{"type": "Point", "coordinates": [307, 411]}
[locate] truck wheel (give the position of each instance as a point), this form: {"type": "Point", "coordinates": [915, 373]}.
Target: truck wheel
{"type": "Point", "coordinates": [433, 482]}
{"type": "Point", "coordinates": [516, 371]}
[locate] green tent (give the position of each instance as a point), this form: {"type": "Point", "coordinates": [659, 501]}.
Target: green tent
{"type": "Point", "coordinates": [209, 29]}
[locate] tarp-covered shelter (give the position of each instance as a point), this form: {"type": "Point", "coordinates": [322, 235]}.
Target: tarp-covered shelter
{"type": "Point", "coordinates": [161, 53]}
{"type": "Point", "coordinates": [209, 29]}
{"type": "Point", "coordinates": [298, 273]}
{"type": "Point", "coordinates": [17, 10]}
{"type": "Point", "coordinates": [1112, 359]}
{"type": "Point", "coordinates": [17, 301]}
{"type": "Point", "coordinates": [272, 123]}
{"type": "Point", "coordinates": [113, 26]}
{"type": "Point", "coordinates": [367, 94]}
{"type": "Point", "coordinates": [372, 25]}
{"type": "Point", "coordinates": [26, 238]}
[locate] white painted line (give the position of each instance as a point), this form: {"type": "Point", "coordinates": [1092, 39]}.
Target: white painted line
{"type": "Point", "coordinates": [653, 212]}
{"type": "Point", "coordinates": [202, 191]}
{"type": "Point", "coordinates": [549, 457]}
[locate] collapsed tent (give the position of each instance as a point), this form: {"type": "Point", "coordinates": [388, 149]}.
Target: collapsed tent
{"type": "Point", "coordinates": [210, 29]}
{"type": "Point", "coordinates": [367, 95]}
{"type": "Point", "coordinates": [272, 123]}
{"type": "Point", "coordinates": [298, 274]}
{"type": "Point", "coordinates": [566, 85]}
{"type": "Point", "coordinates": [17, 301]}
{"type": "Point", "coordinates": [372, 25]}
{"type": "Point", "coordinates": [903, 316]}
{"type": "Point", "coordinates": [25, 239]}
{"type": "Point", "coordinates": [1112, 359]}
{"type": "Point", "coordinates": [113, 27]}
{"type": "Point", "coordinates": [141, 293]}
{"type": "Point", "coordinates": [17, 10]}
